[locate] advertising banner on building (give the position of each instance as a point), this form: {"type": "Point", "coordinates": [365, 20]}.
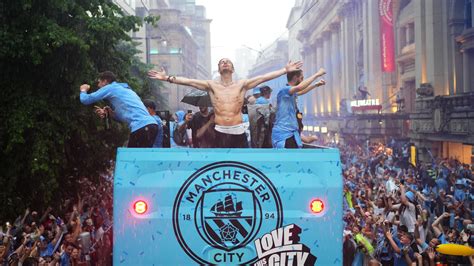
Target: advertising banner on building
{"type": "Point", "coordinates": [387, 45]}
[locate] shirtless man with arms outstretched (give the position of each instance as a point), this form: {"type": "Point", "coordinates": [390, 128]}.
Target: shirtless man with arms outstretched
{"type": "Point", "coordinates": [227, 98]}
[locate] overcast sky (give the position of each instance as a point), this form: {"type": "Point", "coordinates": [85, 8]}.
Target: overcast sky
{"type": "Point", "coordinates": [254, 23]}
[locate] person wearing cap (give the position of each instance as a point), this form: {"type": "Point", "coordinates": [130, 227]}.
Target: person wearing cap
{"type": "Point", "coordinates": [459, 187]}
{"type": "Point", "coordinates": [253, 98]}
{"type": "Point", "coordinates": [151, 108]}
{"type": "Point", "coordinates": [285, 132]}
{"type": "Point", "coordinates": [265, 93]}
{"type": "Point", "coordinates": [126, 107]}
{"type": "Point", "coordinates": [227, 98]}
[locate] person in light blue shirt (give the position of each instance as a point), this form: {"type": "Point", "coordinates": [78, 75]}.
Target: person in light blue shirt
{"type": "Point", "coordinates": [285, 133]}
{"type": "Point", "coordinates": [151, 108]}
{"type": "Point", "coordinates": [126, 107]}
{"type": "Point", "coordinates": [66, 255]}
{"type": "Point", "coordinates": [265, 93]}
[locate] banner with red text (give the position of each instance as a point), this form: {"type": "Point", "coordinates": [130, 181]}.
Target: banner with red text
{"type": "Point", "coordinates": [386, 36]}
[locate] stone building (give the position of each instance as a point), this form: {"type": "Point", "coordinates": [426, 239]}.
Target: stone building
{"type": "Point", "coordinates": [181, 44]}
{"type": "Point", "coordinates": [389, 55]}
{"type": "Point", "coordinates": [272, 58]}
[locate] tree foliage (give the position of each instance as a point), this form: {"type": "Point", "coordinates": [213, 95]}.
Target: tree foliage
{"type": "Point", "coordinates": [47, 138]}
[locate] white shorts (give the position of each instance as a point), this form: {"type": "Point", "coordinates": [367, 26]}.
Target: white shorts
{"type": "Point", "coordinates": [233, 130]}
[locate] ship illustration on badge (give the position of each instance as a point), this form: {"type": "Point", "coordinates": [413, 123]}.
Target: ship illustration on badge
{"type": "Point", "coordinates": [224, 224]}
{"type": "Point", "coordinates": [221, 209]}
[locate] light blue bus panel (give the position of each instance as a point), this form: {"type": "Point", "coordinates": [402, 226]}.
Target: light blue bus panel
{"type": "Point", "coordinates": [227, 207]}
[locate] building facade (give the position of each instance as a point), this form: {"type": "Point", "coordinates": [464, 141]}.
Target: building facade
{"type": "Point", "coordinates": [181, 42]}
{"type": "Point", "coordinates": [272, 58]}
{"type": "Point", "coordinates": [442, 121]}
{"type": "Point", "coordinates": [194, 18]}
{"type": "Point", "coordinates": [176, 53]}
{"type": "Point", "coordinates": [181, 45]}
{"type": "Point", "coordinates": [140, 9]}
{"type": "Point", "coordinates": [382, 56]}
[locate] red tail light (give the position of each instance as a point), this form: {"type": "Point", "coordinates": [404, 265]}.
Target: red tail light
{"type": "Point", "coordinates": [140, 207]}
{"type": "Point", "coordinates": [317, 206]}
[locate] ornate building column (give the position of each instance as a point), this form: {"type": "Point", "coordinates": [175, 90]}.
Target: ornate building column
{"type": "Point", "coordinates": [320, 62]}
{"type": "Point", "coordinates": [348, 38]}
{"type": "Point", "coordinates": [456, 73]}
{"type": "Point", "coordinates": [307, 56]}
{"type": "Point", "coordinates": [336, 66]}
{"type": "Point", "coordinates": [435, 52]}
{"type": "Point", "coordinates": [343, 54]}
{"type": "Point", "coordinates": [313, 101]}
{"type": "Point", "coordinates": [327, 64]}
{"type": "Point", "coordinates": [420, 40]}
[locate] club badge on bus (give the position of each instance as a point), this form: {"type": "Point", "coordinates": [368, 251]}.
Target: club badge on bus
{"type": "Point", "coordinates": [230, 204]}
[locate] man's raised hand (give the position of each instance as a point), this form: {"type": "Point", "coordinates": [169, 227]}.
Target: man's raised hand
{"type": "Point", "coordinates": [321, 83]}
{"type": "Point", "coordinates": [293, 66]}
{"type": "Point", "coordinates": [85, 87]}
{"type": "Point", "coordinates": [160, 75]}
{"type": "Point", "coordinates": [101, 112]}
{"type": "Point", "coordinates": [321, 72]}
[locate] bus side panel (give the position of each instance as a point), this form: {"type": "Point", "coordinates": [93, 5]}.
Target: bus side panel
{"type": "Point", "coordinates": [228, 207]}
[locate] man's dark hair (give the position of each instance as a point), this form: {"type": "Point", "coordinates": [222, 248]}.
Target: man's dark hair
{"type": "Point", "coordinates": [109, 76]}
{"type": "Point", "coordinates": [290, 75]}
{"type": "Point", "coordinates": [30, 261]}
{"type": "Point", "coordinates": [265, 90]}
{"type": "Point", "coordinates": [403, 228]}
{"type": "Point", "coordinates": [149, 104]}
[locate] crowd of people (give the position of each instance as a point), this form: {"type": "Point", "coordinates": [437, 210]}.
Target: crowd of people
{"type": "Point", "coordinates": [396, 213]}
{"type": "Point", "coordinates": [79, 232]}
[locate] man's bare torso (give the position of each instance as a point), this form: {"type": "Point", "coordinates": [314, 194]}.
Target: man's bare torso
{"type": "Point", "coordinates": [227, 102]}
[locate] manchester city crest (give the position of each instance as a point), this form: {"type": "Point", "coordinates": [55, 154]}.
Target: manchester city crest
{"type": "Point", "coordinates": [221, 209]}
{"type": "Point", "coordinates": [226, 223]}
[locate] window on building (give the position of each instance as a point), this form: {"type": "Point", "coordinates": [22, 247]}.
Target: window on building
{"type": "Point", "coordinates": [406, 35]}
{"type": "Point", "coordinates": [175, 50]}
{"type": "Point", "coordinates": [402, 38]}
{"type": "Point", "coordinates": [411, 33]}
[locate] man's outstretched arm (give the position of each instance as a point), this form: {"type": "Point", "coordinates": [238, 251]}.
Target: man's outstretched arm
{"type": "Point", "coordinates": [305, 83]}
{"type": "Point", "coordinates": [196, 83]}
{"type": "Point", "coordinates": [254, 82]}
{"type": "Point", "coordinates": [311, 87]}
